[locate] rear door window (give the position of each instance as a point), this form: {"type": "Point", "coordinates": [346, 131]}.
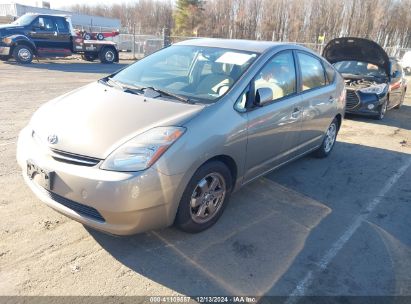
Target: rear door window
{"type": "Point", "coordinates": [61, 25]}
{"type": "Point", "coordinates": [329, 70]}
{"type": "Point", "coordinates": [312, 72]}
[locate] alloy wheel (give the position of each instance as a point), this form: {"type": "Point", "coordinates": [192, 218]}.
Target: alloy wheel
{"type": "Point", "coordinates": [207, 198]}
{"type": "Point", "coordinates": [330, 137]}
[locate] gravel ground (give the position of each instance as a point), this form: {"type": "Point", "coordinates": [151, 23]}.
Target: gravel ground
{"type": "Point", "coordinates": [338, 226]}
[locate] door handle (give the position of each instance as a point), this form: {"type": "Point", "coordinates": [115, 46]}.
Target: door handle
{"type": "Point", "coordinates": [331, 99]}
{"type": "Point", "coordinates": [55, 33]}
{"type": "Point", "coordinates": [296, 112]}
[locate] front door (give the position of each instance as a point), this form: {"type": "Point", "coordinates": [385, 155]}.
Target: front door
{"type": "Point", "coordinates": [43, 32]}
{"type": "Point", "coordinates": [274, 128]}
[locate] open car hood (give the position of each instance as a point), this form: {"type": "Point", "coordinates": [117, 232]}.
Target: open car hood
{"type": "Point", "coordinates": [359, 49]}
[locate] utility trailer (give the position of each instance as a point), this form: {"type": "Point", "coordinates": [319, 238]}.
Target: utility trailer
{"type": "Point", "coordinates": [43, 35]}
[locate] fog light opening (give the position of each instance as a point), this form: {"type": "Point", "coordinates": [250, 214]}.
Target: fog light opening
{"type": "Point", "coordinates": [370, 106]}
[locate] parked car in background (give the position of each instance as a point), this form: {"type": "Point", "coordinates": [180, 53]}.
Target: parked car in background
{"type": "Point", "coordinates": [375, 83]}
{"type": "Point", "coordinates": [168, 139]}
{"type": "Point", "coordinates": [406, 62]}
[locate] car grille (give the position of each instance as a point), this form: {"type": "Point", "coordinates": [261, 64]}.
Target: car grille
{"type": "Point", "coordinates": [77, 207]}
{"type": "Point", "coordinates": [352, 99]}
{"type": "Point", "coordinates": [66, 157]}
{"type": "Point", "coordinates": [74, 159]}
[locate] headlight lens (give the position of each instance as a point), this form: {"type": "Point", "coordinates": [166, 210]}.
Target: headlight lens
{"type": "Point", "coordinates": [142, 151]}
{"type": "Point", "coordinates": [7, 40]}
{"type": "Point", "coordinates": [376, 89]}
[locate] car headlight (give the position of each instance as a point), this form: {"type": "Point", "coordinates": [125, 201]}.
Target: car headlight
{"type": "Point", "coordinates": [7, 40]}
{"type": "Point", "coordinates": [375, 89]}
{"type": "Point", "coordinates": [142, 151]}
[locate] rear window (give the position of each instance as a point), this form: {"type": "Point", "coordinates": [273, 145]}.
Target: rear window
{"type": "Point", "coordinates": [312, 72]}
{"type": "Point", "coordinates": [330, 72]}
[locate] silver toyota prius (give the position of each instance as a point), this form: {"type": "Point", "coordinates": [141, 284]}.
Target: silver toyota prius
{"type": "Point", "coordinates": [168, 139]}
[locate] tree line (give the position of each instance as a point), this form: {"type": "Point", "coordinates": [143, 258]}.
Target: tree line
{"type": "Point", "coordinates": [386, 21]}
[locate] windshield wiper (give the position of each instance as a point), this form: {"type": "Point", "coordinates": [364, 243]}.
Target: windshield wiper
{"type": "Point", "coordinates": [111, 82]}
{"type": "Point", "coordinates": [141, 90]}
{"type": "Point", "coordinates": [159, 91]}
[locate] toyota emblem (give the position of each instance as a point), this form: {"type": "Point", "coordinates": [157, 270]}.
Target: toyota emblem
{"type": "Point", "coordinates": [52, 139]}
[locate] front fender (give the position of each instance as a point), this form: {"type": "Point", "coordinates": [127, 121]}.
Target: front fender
{"type": "Point", "coordinates": [14, 40]}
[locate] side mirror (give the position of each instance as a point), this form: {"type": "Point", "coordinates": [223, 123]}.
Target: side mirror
{"type": "Point", "coordinates": [396, 74]}
{"type": "Point", "coordinates": [263, 96]}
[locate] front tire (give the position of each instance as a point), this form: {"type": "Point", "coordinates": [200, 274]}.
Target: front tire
{"type": "Point", "coordinates": [23, 54]}
{"type": "Point", "coordinates": [204, 198]}
{"type": "Point", "coordinates": [382, 111]}
{"type": "Point", "coordinates": [329, 140]}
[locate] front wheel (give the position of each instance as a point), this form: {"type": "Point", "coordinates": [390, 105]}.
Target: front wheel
{"type": "Point", "coordinates": [204, 198]}
{"type": "Point", "coordinates": [23, 54]}
{"type": "Point", "coordinates": [382, 111]}
{"type": "Point", "coordinates": [107, 55]}
{"type": "Point", "coordinates": [329, 140]}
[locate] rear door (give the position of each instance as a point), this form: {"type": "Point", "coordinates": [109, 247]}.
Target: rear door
{"type": "Point", "coordinates": [319, 98]}
{"type": "Point", "coordinates": [63, 38]}
{"type": "Point", "coordinates": [273, 129]}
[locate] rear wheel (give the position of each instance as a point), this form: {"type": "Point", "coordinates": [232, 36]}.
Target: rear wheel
{"type": "Point", "coordinates": [107, 55]}
{"type": "Point", "coordinates": [87, 36]}
{"type": "Point", "coordinates": [23, 54]}
{"type": "Point", "coordinates": [329, 140]}
{"type": "Point", "coordinates": [204, 198]}
{"type": "Point", "coordinates": [401, 101]}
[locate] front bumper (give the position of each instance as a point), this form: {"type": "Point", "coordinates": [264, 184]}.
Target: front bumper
{"type": "Point", "coordinates": [128, 203]}
{"type": "Point", "coordinates": [358, 103]}
{"type": "Point", "coordinates": [4, 51]}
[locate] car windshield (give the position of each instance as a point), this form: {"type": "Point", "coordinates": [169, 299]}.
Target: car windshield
{"type": "Point", "coordinates": [360, 68]}
{"type": "Point", "coordinates": [24, 20]}
{"type": "Point", "coordinates": [201, 74]}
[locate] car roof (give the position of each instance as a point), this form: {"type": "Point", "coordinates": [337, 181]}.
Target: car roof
{"type": "Point", "coordinates": [236, 44]}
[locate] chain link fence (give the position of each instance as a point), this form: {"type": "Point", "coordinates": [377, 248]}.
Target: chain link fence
{"type": "Point", "coordinates": [136, 46]}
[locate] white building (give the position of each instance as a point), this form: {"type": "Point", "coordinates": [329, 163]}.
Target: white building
{"type": "Point", "coordinates": [93, 23]}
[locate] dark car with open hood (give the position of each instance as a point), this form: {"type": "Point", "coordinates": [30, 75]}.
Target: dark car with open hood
{"type": "Point", "coordinates": [374, 82]}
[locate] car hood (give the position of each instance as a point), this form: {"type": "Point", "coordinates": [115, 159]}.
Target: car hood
{"type": "Point", "coordinates": [96, 119]}
{"type": "Point", "coordinates": [359, 49]}
{"type": "Point", "coordinates": [7, 29]}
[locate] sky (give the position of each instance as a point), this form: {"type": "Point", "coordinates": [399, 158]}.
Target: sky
{"type": "Point", "coordinates": [64, 3]}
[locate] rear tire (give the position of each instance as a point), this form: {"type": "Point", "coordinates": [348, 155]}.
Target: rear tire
{"type": "Point", "coordinates": [107, 55]}
{"type": "Point", "coordinates": [329, 140]}
{"type": "Point", "coordinates": [204, 198]}
{"type": "Point", "coordinates": [401, 101]}
{"type": "Point", "coordinates": [87, 36]}
{"type": "Point", "coordinates": [23, 54]}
